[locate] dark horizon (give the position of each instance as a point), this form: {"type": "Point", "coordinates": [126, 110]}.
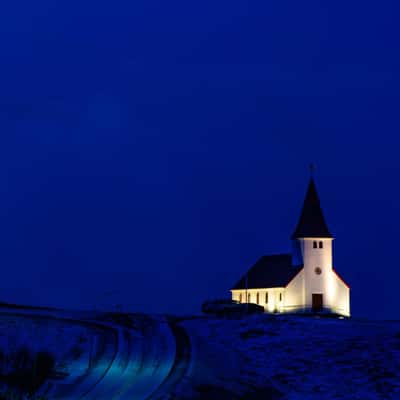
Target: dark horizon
{"type": "Point", "coordinates": [154, 151]}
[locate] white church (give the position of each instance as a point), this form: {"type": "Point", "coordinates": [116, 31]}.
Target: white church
{"type": "Point", "coordinates": [303, 280]}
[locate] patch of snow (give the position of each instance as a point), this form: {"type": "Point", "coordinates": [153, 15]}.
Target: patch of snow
{"type": "Point", "coordinates": [301, 357]}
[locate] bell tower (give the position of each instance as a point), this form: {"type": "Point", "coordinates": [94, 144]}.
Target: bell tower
{"type": "Point", "coordinates": [312, 248]}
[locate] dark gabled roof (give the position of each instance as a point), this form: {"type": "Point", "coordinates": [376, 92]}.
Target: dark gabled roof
{"type": "Point", "coordinates": [268, 272]}
{"type": "Point", "coordinates": [312, 222]}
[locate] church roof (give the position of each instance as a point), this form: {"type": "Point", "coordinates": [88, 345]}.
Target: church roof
{"type": "Point", "coordinates": [268, 272]}
{"type": "Point", "coordinates": [312, 222]}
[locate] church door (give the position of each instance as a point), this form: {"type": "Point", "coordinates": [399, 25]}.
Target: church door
{"type": "Point", "coordinates": [317, 302]}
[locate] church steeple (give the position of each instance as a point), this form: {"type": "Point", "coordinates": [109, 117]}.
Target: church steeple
{"type": "Point", "coordinates": [312, 222]}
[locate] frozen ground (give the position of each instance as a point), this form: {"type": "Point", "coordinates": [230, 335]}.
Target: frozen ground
{"type": "Point", "coordinates": [97, 356]}
{"type": "Point", "coordinates": [289, 357]}
{"type": "Point", "coordinates": [118, 357]}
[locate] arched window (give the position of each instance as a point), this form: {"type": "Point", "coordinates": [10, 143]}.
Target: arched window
{"type": "Point", "coordinates": [266, 297]}
{"type": "Point", "coordinates": [248, 298]}
{"type": "Point", "coordinates": [315, 244]}
{"type": "Point", "coordinates": [321, 245]}
{"type": "Point", "coordinates": [240, 297]}
{"type": "Point", "coordinates": [280, 296]}
{"type": "Point", "coordinates": [258, 298]}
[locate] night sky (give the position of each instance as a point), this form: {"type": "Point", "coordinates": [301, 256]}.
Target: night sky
{"type": "Point", "coordinates": [151, 151]}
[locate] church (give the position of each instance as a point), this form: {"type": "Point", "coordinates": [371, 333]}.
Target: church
{"type": "Point", "coordinates": [303, 280]}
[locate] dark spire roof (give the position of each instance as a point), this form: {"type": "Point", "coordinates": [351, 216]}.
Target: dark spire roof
{"type": "Point", "coordinates": [312, 222]}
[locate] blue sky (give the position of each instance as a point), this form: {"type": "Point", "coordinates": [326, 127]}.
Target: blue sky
{"type": "Point", "coordinates": [157, 149]}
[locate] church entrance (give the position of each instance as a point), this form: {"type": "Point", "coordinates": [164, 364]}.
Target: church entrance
{"type": "Point", "coordinates": [317, 302]}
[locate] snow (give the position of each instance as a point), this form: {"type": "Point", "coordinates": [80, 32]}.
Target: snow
{"type": "Point", "coordinates": [61, 339]}
{"type": "Point", "coordinates": [101, 356]}
{"type": "Point", "coordinates": [298, 357]}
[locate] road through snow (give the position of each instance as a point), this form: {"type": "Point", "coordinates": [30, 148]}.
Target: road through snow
{"type": "Point", "coordinates": [180, 367]}
{"type": "Point", "coordinates": [144, 359]}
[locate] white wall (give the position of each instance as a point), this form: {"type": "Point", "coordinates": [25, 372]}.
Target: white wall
{"type": "Point", "coordinates": [298, 294]}
{"type": "Point", "coordinates": [274, 302]}
{"type": "Point", "coordinates": [317, 258]}
{"type": "Point", "coordinates": [294, 294]}
{"type": "Point", "coordinates": [336, 298]}
{"type": "Point", "coordinates": [336, 295]}
{"type": "Point", "coordinates": [339, 296]}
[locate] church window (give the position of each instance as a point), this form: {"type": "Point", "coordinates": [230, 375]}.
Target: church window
{"type": "Point", "coordinates": [266, 297]}
{"type": "Point", "coordinates": [280, 296]}
{"type": "Point", "coordinates": [315, 245]}
{"type": "Point", "coordinates": [258, 298]}
{"type": "Point", "coordinates": [321, 245]}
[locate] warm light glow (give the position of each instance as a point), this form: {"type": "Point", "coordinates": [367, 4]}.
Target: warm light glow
{"type": "Point", "coordinates": [297, 295]}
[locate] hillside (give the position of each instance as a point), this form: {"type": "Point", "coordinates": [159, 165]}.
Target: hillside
{"type": "Point", "coordinates": [295, 358]}
{"type": "Point", "coordinates": [118, 356]}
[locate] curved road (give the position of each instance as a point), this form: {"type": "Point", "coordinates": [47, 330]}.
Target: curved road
{"type": "Point", "coordinates": [180, 366]}
{"type": "Point", "coordinates": [143, 360]}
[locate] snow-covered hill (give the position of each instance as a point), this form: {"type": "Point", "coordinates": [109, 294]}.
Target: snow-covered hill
{"type": "Point", "coordinates": [293, 357]}
{"type": "Point", "coordinates": [118, 357]}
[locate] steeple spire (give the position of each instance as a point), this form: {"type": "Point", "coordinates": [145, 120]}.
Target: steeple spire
{"type": "Point", "coordinates": [312, 222]}
{"type": "Point", "coordinates": [312, 169]}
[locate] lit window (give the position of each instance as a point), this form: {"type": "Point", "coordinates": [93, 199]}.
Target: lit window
{"type": "Point", "coordinates": [315, 245]}
{"type": "Point", "coordinates": [321, 245]}
{"type": "Point", "coordinates": [258, 298]}
{"type": "Point", "coordinates": [266, 298]}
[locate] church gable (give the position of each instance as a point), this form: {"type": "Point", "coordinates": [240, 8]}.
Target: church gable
{"type": "Point", "coordinates": [294, 295]}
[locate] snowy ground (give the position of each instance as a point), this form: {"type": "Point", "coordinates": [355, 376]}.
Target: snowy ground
{"type": "Point", "coordinates": [118, 357]}
{"type": "Point", "coordinates": [64, 340]}
{"type": "Point", "coordinates": [293, 358]}
{"type": "Point", "coordinates": [97, 356]}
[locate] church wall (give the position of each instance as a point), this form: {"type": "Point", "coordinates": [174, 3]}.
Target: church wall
{"type": "Point", "coordinates": [336, 296]}
{"type": "Point", "coordinates": [317, 258]}
{"type": "Point", "coordinates": [339, 296]}
{"type": "Point", "coordinates": [294, 293]}
{"type": "Point", "coordinates": [335, 293]}
{"type": "Point", "coordinates": [276, 298]}
{"type": "Point", "coordinates": [236, 294]}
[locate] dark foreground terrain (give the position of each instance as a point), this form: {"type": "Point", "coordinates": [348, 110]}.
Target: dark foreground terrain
{"type": "Point", "coordinates": [53, 354]}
